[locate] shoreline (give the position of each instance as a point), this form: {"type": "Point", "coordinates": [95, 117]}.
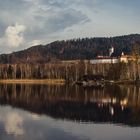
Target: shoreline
{"type": "Point", "coordinates": [107, 83]}
{"type": "Point", "coordinates": [63, 82]}
{"type": "Point", "coordinates": [33, 81]}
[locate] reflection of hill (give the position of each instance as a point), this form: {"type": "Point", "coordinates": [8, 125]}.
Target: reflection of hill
{"type": "Point", "coordinates": [111, 104]}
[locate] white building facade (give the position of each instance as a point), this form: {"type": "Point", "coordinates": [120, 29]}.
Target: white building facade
{"type": "Point", "coordinates": [110, 60]}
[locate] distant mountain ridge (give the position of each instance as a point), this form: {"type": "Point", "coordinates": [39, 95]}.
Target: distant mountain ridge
{"type": "Point", "coordinates": [86, 48]}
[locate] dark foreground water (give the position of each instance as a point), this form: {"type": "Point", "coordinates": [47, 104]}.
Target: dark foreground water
{"type": "Point", "coordinates": [40, 112]}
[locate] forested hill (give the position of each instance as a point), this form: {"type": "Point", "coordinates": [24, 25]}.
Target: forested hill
{"type": "Point", "coordinates": [87, 48]}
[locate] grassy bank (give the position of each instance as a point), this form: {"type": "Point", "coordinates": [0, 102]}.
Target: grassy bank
{"type": "Point", "coordinates": [33, 81]}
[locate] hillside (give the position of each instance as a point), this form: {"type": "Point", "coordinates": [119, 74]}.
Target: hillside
{"type": "Point", "coordinates": [87, 48]}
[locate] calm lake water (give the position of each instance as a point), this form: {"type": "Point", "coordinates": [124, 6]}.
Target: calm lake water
{"type": "Point", "coordinates": [41, 112]}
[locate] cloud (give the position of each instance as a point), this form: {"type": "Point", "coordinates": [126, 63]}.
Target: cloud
{"type": "Point", "coordinates": [50, 17]}
{"type": "Point", "coordinates": [44, 19]}
{"type": "Point", "coordinates": [13, 36]}
{"type": "Point", "coordinates": [61, 20]}
{"type": "Point", "coordinates": [37, 20]}
{"type": "Point", "coordinates": [35, 42]}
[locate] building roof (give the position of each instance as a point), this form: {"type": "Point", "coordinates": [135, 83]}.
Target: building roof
{"type": "Point", "coordinates": [104, 57]}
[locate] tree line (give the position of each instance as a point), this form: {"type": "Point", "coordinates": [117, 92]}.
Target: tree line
{"type": "Point", "coordinates": [70, 71]}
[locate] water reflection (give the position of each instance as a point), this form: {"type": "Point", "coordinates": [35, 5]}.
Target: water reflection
{"type": "Point", "coordinates": [14, 123]}
{"type": "Point", "coordinates": [17, 124]}
{"type": "Point", "coordinates": [115, 104]}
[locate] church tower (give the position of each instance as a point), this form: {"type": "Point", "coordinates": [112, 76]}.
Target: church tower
{"type": "Point", "coordinates": [111, 51]}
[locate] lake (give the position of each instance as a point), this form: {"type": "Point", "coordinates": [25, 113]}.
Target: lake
{"type": "Point", "coordinates": [66, 112]}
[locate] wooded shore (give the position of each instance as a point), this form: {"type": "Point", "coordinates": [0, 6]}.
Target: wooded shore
{"type": "Point", "coordinates": [68, 71]}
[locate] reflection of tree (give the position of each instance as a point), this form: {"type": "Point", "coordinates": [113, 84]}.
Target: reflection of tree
{"type": "Point", "coordinates": [66, 93]}
{"type": "Point", "coordinates": [111, 104]}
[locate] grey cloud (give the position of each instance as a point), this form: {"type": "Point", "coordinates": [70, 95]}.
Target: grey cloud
{"type": "Point", "coordinates": [2, 28]}
{"type": "Point", "coordinates": [28, 12]}
{"type": "Point", "coordinates": [53, 16]}
{"type": "Point", "coordinates": [61, 20]}
{"type": "Point", "coordinates": [42, 18]}
{"type": "Point", "coordinates": [71, 3]}
{"type": "Point", "coordinates": [13, 8]}
{"type": "Point", "coordinates": [67, 18]}
{"type": "Point", "coordinates": [12, 12]}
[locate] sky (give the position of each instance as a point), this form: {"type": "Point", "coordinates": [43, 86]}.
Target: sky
{"type": "Point", "coordinates": [25, 23]}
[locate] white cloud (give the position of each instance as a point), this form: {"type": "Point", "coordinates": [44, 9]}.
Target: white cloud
{"type": "Point", "coordinates": [35, 42]}
{"type": "Point", "coordinates": [13, 37]}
